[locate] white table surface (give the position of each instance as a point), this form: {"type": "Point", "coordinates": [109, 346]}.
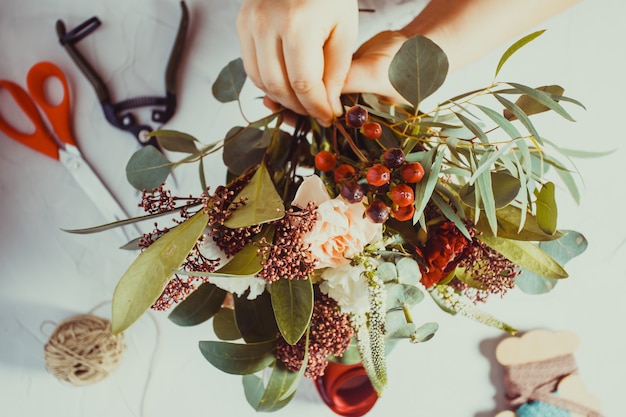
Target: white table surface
{"type": "Point", "coordinates": [49, 275]}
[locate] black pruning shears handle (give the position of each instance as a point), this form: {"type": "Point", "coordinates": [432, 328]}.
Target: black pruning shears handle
{"type": "Point", "coordinates": [118, 114]}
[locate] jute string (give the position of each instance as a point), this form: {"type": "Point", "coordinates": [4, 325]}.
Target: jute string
{"type": "Point", "coordinates": [82, 350]}
{"type": "Point", "coordinates": [537, 381]}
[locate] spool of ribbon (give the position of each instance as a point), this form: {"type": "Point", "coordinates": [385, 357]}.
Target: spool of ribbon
{"type": "Point", "coordinates": [346, 389]}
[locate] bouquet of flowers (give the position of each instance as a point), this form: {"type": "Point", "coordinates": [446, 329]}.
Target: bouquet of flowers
{"type": "Point", "coordinates": [324, 238]}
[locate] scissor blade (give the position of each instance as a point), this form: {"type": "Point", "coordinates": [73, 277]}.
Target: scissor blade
{"type": "Point", "coordinates": [91, 183]}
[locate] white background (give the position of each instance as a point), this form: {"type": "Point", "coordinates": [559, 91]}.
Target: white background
{"type": "Point", "coordinates": [49, 275]}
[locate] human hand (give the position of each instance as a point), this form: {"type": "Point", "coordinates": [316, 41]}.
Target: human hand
{"type": "Point", "coordinates": [369, 71]}
{"type": "Point", "coordinates": [299, 51]}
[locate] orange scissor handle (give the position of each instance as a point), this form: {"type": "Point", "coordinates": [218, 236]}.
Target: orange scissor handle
{"type": "Point", "coordinates": [40, 140]}
{"type": "Point", "coordinates": [59, 114]}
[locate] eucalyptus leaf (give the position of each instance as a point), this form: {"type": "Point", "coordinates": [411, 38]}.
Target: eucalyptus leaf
{"type": "Point", "coordinates": [526, 255]}
{"type": "Point", "coordinates": [225, 325]}
{"type": "Point", "coordinates": [292, 301]}
{"type": "Point", "coordinates": [418, 69]}
{"type": "Point", "coordinates": [515, 47]}
{"type": "Point", "coordinates": [401, 295]}
{"type": "Point", "coordinates": [175, 141]}
{"type": "Point", "coordinates": [505, 188]}
{"type": "Point", "coordinates": [509, 219]}
{"type": "Point", "coordinates": [518, 113]}
{"type": "Point", "coordinates": [425, 332]}
{"type": "Point", "coordinates": [570, 245]}
{"type": "Point", "coordinates": [144, 280]}
{"type": "Point", "coordinates": [255, 318]}
{"type": "Point", "coordinates": [387, 272]}
{"type": "Point", "coordinates": [547, 209]}
{"type": "Point", "coordinates": [199, 306]}
{"type": "Point", "coordinates": [147, 168]}
{"type": "Point", "coordinates": [473, 127]}
{"type": "Point", "coordinates": [229, 83]}
{"type": "Point", "coordinates": [238, 358]}
{"type": "Point", "coordinates": [262, 202]}
{"type": "Point", "coordinates": [424, 188]}
{"type": "Point", "coordinates": [408, 271]}
{"type": "Point", "coordinates": [244, 147]}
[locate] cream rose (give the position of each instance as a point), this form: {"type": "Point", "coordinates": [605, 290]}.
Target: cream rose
{"type": "Point", "coordinates": [341, 231]}
{"type": "Point", "coordinates": [347, 285]}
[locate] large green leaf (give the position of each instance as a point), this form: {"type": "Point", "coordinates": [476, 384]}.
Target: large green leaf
{"type": "Point", "coordinates": [526, 255]}
{"type": "Point", "coordinates": [505, 188]}
{"type": "Point", "coordinates": [147, 168]}
{"type": "Point", "coordinates": [238, 358]}
{"type": "Point", "coordinates": [292, 301]}
{"type": "Point", "coordinates": [509, 219]}
{"type": "Point", "coordinates": [262, 202]}
{"type": "Point", "coordinates": [418, 69]}
{"type": "Point", "coordinates": [272, 397]}
{"type": "Point", "coordinates": [144, 280]}
{"type": "Point", "coordinates": [255, 318]}
{"type": "Point", "coordinates": [247, 261]}
{"type": "Point", "coordinates": [230, 81]}
{"type": "Point", "coordinates": [515, 47]}
{"type": "Point", "coordinates": [570, 245]}
{"type": "Point", "coordinates": [199, 306]}
{"type": "Point", "coordinates": [225, 325]}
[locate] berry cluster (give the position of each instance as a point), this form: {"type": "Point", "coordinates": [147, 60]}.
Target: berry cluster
{"type": "Point", "coordinates": [388, 183]}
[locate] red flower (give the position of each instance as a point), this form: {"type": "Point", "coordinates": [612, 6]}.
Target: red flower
{"type": "Point", "coordinates": [444, 249]}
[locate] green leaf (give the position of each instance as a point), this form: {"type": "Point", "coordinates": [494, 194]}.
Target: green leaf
{"type": "Point", "coordinates": [518, 113]}
{"type": "Point", "coordinates": [473, 127]}
{"type": "Point", "coordinates": [244, 148]}
{"type": "Point", "coordinates": [538, 100]}
{"type": "Point", "coordinates": [547, 209]}
{"type": "Point", "coordinates": [526, 255]}
{"type": "Point", "coordinates": [229, 82]}
{"type": "Point", "coordinates": [255, 318]}
{"type": "Point", "coordinates": [515, 47]}
{"type": "Point", "coordinates": [199, 306]}
{"type": "Point", "coordinates": [270, 398]}
{"type": "Point", "coordinates": [509, 219]}
{"type": "Point", "coordinates": [238, 358]}
{"type": "Point", "coordinates": [408, 271]}
{"type": "Point", "coordinates": [400, 295]}
{"type": "Point", "coordinates": [147, 168]}
{"type": "Point", "coordinates": [570, 245]}
{"type": "Point", "coordinates": [418, 69]}
{"type": "Point", "coordinates": [144, 280]}
{"type": "Point", "coordinates": [225, 325]}
{"type": "Point", "coordinates": [247, 261]}
{"type": "Point", "coordinates": [505, 188]}
{"type": "Point", "coordinates": [424, 188]}
{"type": "Point", "coordinates": [450, 214]}
{"type": "Point", "coordinates": [501, 121]}
{"type": "Point", "coordinates": [262, 202]}
{"type": "Point", "coordinates": [175, 141]}
{"type": "Point", "coordinates": [292, 301]}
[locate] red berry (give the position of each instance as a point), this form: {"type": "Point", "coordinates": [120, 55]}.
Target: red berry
{"type": "Point", "coordinates": [352, 192]}
{"type": "Point", "coordinates": [342, 172]}
{"type": "Point", "coordinates": [403, 213]}
{"type": "Point", "coordinates": [412, 172]}
{"type": "Point", "coordinates": [378, 212]}
{"type": "Point", "coordinates": [402, 195]}
{"type": "Point", "coordinates": [372, 130]}
{"type": "Point", "coordinates": [356, 116]}
{"type": "Point", "coordinates": [325, 161]}
{"type": "Point", "coordinates": [378, 175]}
{"type": "Point", "coordinates": [393, 157]}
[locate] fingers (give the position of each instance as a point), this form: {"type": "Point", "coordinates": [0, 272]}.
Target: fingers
{"type": "Point", "coordinates": [299, 53]}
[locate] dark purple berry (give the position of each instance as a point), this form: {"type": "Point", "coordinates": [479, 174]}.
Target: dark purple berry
{"type": "Point", "coordinates": [378, 212]}
{"type": "Point", "coordinates": [352, 192]}
{"type": "Point", "coordinates": [393, 157]}
{"type": "Point", "coordinates": [356, 116]}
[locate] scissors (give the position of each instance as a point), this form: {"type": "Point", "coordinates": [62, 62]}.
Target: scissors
{"type": "Point", "coordinates": [59, 145]}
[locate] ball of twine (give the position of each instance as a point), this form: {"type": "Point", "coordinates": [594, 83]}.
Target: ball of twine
{"type": "Point", "coordinates": [82, 350]}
